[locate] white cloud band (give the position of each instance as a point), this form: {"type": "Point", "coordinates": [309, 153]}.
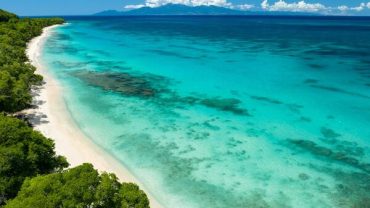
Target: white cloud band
{"type": "Point", "coordinates": [135, 6]}
{"type": "Point", "coordinates": [157, 3]}
{"type": "Point", "coordinates": [278, 5]}
{"type": "Point", "coordinates": [244, 6]}
{"type": "Point", "coordinates": [300, 6]}
{"type": "Point", "coordinates": [359, 8]}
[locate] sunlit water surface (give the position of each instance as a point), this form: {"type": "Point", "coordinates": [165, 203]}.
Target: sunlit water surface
{"type": "Point", "coordinates": [225, 111]}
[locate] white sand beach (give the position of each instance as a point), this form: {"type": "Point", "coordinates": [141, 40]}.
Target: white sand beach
{"type": "Point", "coordinates": [51, 117]}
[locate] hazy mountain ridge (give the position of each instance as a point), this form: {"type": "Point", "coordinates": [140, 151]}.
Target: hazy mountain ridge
{"type": "Point", "coordinates": [175, 9]}
{"type": "Point", "coordinates": [179, 9]}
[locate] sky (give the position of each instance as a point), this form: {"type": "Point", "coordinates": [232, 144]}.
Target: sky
{"type": "Point", "coordinates": [86, 7]}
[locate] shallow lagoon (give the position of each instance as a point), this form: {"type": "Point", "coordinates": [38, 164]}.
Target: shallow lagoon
{"type": "Point", "coordinates": [225, 111]}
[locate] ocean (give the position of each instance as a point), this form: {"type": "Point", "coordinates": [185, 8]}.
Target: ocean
{"type": "Point", "coordinates": [225, 111]}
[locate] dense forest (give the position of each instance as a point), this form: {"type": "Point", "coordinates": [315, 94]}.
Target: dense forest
{"type": "Point", "coordinates": [31, 174]}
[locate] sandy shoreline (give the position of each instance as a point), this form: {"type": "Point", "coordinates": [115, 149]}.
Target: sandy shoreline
{"type": "Point", "coordinates": [52, 118]}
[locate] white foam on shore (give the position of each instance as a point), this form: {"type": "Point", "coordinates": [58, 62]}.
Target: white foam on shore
{"type": "Point", "coordinates": [52, 119]}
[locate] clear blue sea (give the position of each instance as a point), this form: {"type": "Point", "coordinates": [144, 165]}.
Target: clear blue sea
{"type": "Point", "coordinates": [225, 112]}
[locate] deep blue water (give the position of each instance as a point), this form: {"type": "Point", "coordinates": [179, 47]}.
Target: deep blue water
{"type": "Point", "coordinates": [225, 111]}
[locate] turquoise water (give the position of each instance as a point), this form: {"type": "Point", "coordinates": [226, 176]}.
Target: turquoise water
{"type": "Point", "coordinates": [225, 111]}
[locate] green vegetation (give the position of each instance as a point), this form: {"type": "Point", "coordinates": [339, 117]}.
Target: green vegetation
{"type": "Point", "coordinates": [23, 153]}
{"type": "Point", "coordinates": [16, 75]}
{"type": "Point", "coordinates": [6, 16]}
{"type": "Point", "coordinates": [79, 187]}
{"type": "Point", "coordinates": [31, 174]}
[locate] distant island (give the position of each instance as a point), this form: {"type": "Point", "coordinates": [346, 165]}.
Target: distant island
{"type": "Point", "coordinates": [180, 9]}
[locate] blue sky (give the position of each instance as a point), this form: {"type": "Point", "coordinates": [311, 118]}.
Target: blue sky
{"type": "Point", "coordinates": [83, 7]}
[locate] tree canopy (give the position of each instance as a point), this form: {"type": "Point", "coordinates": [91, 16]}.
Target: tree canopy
{"type": "Point", "coordinates": [16, 75]}
{"type": "Point", "coordinates": [23, 153]}
{"type": "Point", "coordinates": [81, 186]}
{"type": "Point", "coordinates": [6, 16]}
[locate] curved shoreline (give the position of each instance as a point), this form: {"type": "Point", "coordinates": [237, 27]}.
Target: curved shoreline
{"type": "Point", "coordinates": [52, 118]}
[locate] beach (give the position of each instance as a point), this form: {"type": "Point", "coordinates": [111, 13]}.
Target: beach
{"type": "Point", "coordinates": [51, 117]}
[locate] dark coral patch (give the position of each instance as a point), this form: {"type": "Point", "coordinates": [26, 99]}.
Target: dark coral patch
{"type": "Point", "coordinates": [152, 86]}
{"type": "Point", "coordinates": [329, 154]}
{"type": "Point", "coordinates": [352, 189]}
{"type": "Point", "coordinates": [305, 119]}
{"type": "Point", "coordinates": [266, 99]}
{"type": "Point", "coordinates": [226, 104]}
{"type": "Point", "coordinates": [65, 64]}
{"type": "Point", "coordinates": [339, 52]}
{"type": "Point", "coordinates": [124, 83]}
{"type": "Point", "coordinates": [316, 66]}
{"type": "Point", "coordinates": [338, 90]}
{"type": "Point", "coordinates": [170, 53]}
{"type": "Point", "coordinates": [295, 108]}
{"type": "Point", "coordinates": [222, 104]}
{"type": "Point", "coordinates": [329, 133]}
{"type": "Point", "coordinates": [303, 176]}
{"type": "Point", "coordinates": [310, 81]}
{"type": "Point", "coordinates": [61, 36]}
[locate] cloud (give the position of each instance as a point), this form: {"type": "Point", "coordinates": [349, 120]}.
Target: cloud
{"type": "Point", "coordinates": [277, 5]}
{"type": "Point", "coordinates": [359, 8]}
{"type": "Point", "coordinates": [300, 6]}
{"type": "Point", "coordinates": [242, 6]}
{"type": "Point", "coordinates": [265, 5]}
{"type": "Point", "coordinates": [343, 8]}
{"type": "Point", "coordinates": [220, 3]}
{"type": "Point", "coordinates": [157, 3]}
{"type": "Point", "coordinates": [135, 6]}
